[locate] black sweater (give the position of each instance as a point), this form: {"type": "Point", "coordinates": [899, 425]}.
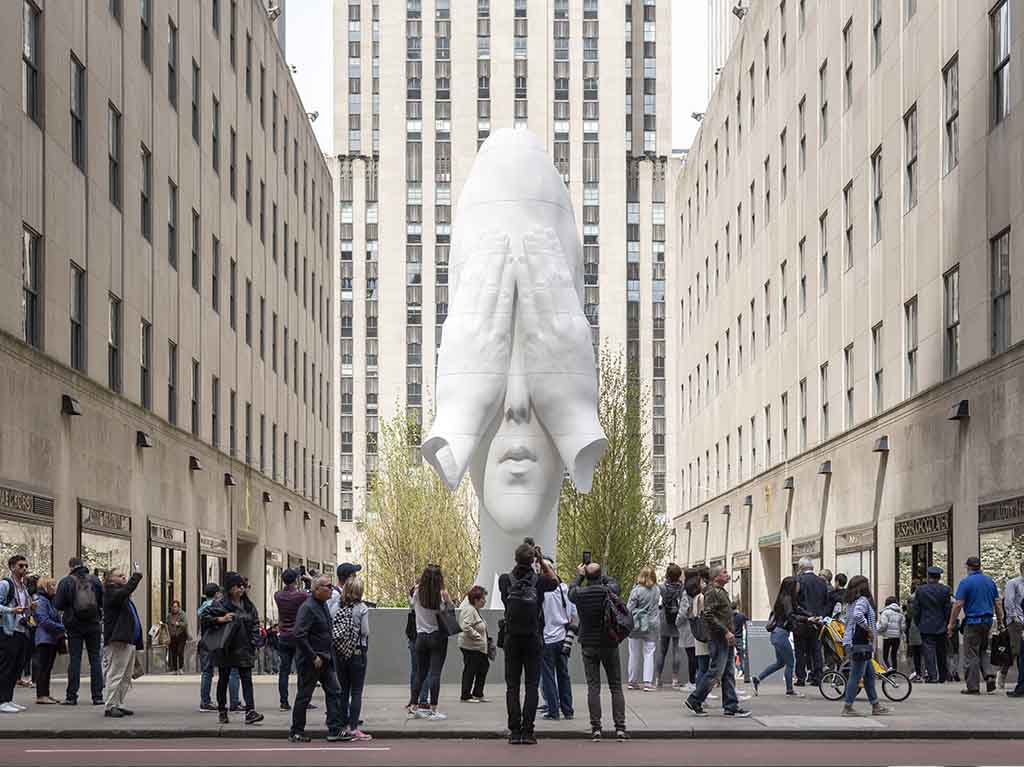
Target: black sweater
{"type": "Point", "coordinates": [589, 597]}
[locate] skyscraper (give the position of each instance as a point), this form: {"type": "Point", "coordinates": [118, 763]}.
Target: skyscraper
{"type": "Point", "coordinates": [418, 90]}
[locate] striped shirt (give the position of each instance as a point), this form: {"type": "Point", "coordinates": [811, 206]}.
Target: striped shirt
{"type": "Point", "coordinates": [859, 613]}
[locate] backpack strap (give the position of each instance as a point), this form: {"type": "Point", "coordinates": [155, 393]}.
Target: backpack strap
{"type": "Point", "coordinates": [10, 596]}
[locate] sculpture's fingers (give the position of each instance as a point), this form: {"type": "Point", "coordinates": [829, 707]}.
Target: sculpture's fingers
{"type": "Point", "coordinates": [492, 251]}
{"type": "Point", "coordinates": [534, 281]}
{"type": "Point", "coordinates": [503, 301]}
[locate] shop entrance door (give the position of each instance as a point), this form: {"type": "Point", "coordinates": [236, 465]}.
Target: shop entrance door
{"type": "Point", "coordinates": [914, 559]}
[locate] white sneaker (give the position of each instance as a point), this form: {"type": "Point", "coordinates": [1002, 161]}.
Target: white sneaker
{"type": "Point", "coordinates": [9, 708]}
{"type": "Point", "coordinates": [437, 716]}
{"type": "Point", "coordinates": [712, 696]}
{"type": "Point", "coordinates": [690, 687]}
{"type": "Point", "coordinates": [19, 706]}
{"type": "Point", "coordinates": [1001, 680]}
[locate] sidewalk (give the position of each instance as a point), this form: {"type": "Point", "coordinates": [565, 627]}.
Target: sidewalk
{"type": "Point", "coordinates": [167, 707]}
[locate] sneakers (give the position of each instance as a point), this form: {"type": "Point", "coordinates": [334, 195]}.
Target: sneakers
{"type": "Point", "coordinates": [632, 686]}
{"type": "Point", "coordinates": [436, 716]}
{"type": "Point", "coordinates": [695, 708]}
{"type": "Point", "coordinates": [737, 713]}
{"type": "Point", "coordinates": [915, 677]}
{"type": "Point", "coordinates": [621, 735]}
{"type": "Point", "coordinates": [648, 688]}
{"type": "Point", "coordinates": [284, 707]}
{"type": "Point", "coordinates": [67, 702]}
{"type": "Point", "coordinates": [235, 707]}
{"type": "Point", "coordinates": [253, 717]}
{"type": "Point", "coordinates": [849, 710]}
{"type": "Point", "coordinates": [990, 684]}
{"type": "Point", "coordinates": [879, 710]}
{"type": "Point", "coordinates": [689, 687]}
{"type": "Point", "coordinates": [712, 696]}
{"type": "Point", "coordinates": [360, 735]}
{"type": "Point", "coordinates": [301, 737]}
{"type": "Point", "coordinates": [595, 735]}
{"type": "Point", "coordinates": [113, 713]}
{"type": "Point", "coordinates": [207, 708]}
{"type": "Point", "coordinates": [757, 686]}
{"type": "Point", "coordinates": [420, 713]}
{"type": "Point", "coordinates": [515, 739]}
{"type": "Point", "coordinates": [528, 739]}
{"type": "Point", "coordinates": [481, 700]}
{"type": "Point", "coordinates": [794, 693]}
{"type": "Point", "coordinates": [9, 708]}
{"type": "Point", "coordinates": [550, 717]}
{"type": "Point", "coordinates": [344, 736]}
{"type": "Point", "coordinates": [222, 717]}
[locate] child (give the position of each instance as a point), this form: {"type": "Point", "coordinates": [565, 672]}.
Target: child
{"type": "Point", "coordinates": [891, 624]}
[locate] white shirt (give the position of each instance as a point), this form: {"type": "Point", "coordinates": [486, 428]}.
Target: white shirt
{"type": "Point", "coordinates": [1013, 593]}
{"type": "Point", "coordinates": [558, 613]}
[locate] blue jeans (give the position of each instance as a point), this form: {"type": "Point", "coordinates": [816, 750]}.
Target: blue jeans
{"type": "Point", "coordinates": [206, 681]}
{"type": "Point", "coordinates": [555, 681]}
{"type": "Point", "coordinates": [860, 669]}
{"type": "Point", "coordinates": [783, 658]}
{"type": "Point", "coordinates": [703, 661]}
{"type": "Point", "coordinates": [720, 668]}
{"type": "Point", "coordinates": [412, 674]}
{"type": "Point", "coordinates": [88, 640]}
{"type": "Point", "coordinates": [285, 656]}
{"type": "Point", "coordinates": [351, 677]}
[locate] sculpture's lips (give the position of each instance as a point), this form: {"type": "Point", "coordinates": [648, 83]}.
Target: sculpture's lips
{"type": "Point", "coordinates": [518, 453]}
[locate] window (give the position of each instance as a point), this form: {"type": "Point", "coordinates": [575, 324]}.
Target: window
{"type": "Point", "coordinates": [248, 432]}
{"type": "Point", "coordinates": [232, 423]}
{"type": "Point", "coordinates": [146, 36]}
{"type": "Point", "coordinates": [248, 312]}
{"type": "Point", "coordinates": [215, 411]}
{"type": "Point", "coordinates": [876, 33]}
{"type": "Point", "coordinates": [848, 224]}
{"type": "Point", "coordinates": [876, 195]}
{"type": "Point", "coordinates": [263, 326]}
{"type": "Point", "coordinates": [215, 274]}
{"type": "Point", "coordinates": [1001, 292]}
{"type": "Point", "coordinates": [77, 113]}
{"type": "Point", "coordinates": [215, 7]}
{"type": "Point", "coordinates": [77, 318]}
{"type": "Point", "coordinates": [823, 103]}
{"type": "Point", "coordinates": [910, 150]}
{"type": "Point", "coordinates": [172, 382]}
{"type": "Point", "coordinates": [951, 347]}
{"type": "Point", "coordinates": [232, 36]}
{"type": "Point", "coordinates": [1000, 19]}
{"type": "Point", "coordinates": [232, 293]}
{"type": "Point", "coordinates": [803, 414]}
{"type": "Point", "coordinates": [951, 107]}
{"type": "Point", "coordinates": [31, 101]}
{"type": "Point", "coordinates": [823, 249]}
{"type": "Point", "coordinates": [114, 154]}
{"type": "Point", "coordinates": [172, 63]}
{"type": "Point", "coordinates": [767, 314]}
{"type": "Point", "coordinates": [115, 10]}
{"type": "Point", "coordinates": [32, 285]}
{"type": "Point", "coordinates": [823, 378]}
{"type": "Point", "coordinates": [195, 101]}
{"type": "Point", "coordinates": [876, 369]}
{"type": "Point", "coordinates": [273, 342]}
{"type": "Point", "coordinates": [910, 342]}
{"type": "Point", "coordinates": [146, 194]}
{"type": "Point", "coordinates": [196, 233]}
{"type": "Point", "coordinates": [262, 108]}
{"type": "Point", "coordinates": [263, 442]}
{"type": "Point", "coordinates": [848, 381]}
{"type": "Point", "coordinates": [114, 344]}
{"type": "Point", "coordinates": [248, 66]}
{"type": "Point", "coordinates": [783, 166]}
{"type": "Point", "coordinates": [248, 189]}
{"type": "Point", "coordinates": [801, 252]}
{"type": "Point", "coordinates": [215, 132]}
{"type": "Point", "coordinates": [847, 66]}
{"type": "Point", "coordinates": [910, 8]}
{"type": "Point", "coordinates": [172, 223]}
{"type": "Point", "coordinates": [801, 109]}
{"type": "Point", "coordinates": [233, 164]}
{"type": "Point", "coordinates": [145, 366]}
{"type": "Point", "coordinates": [194, 401]}
{"type": "Point", "coordinates": [784, 423]}
{"type": "Point", "coordinates": [783, 299]}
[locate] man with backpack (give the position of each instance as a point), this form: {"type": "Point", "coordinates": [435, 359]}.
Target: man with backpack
{"type": "Point", "coordinates": [80, 598]}
{"type": "Point", "coordinates": [15, 610]}
{"type": "Point", "coordinates": [522, 592]}
{"type": "Point", "coordinates": [595, 596]}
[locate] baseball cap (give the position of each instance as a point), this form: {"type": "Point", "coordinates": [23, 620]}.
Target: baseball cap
{"type": "Point", "coordinates": [934, 571]}
{"type": "Point", "coordinates": [973, 562]}
{"type": "Point", "coordinates": [345, 569]}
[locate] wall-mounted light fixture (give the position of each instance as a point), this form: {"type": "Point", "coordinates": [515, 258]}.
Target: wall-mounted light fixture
{"type": "Point", "coordinates": [287, 507]}
{"type": "Point", "coordinates": [881, 445]}
{"type": "Point", "coordinates": [305, 516]}
{"type": "Point", "coordinates": [961, 411]}
{"type": "Point", "coordinates": [143, 440]}
{"type": "Point", "coordinates": [266, 497]}
{"type": "Point", "coordinates": [69, 405]}
{"type": "Point", "coordinates": [788, 484]}
{"type": "Point", "coordinates": [193, 464]}
{"type": "Point", "coordinates": [229, 480]}
{"type": "Point", "coordinates": [825, 468]}
{"type": "Point", "coordinates": [749, 501]}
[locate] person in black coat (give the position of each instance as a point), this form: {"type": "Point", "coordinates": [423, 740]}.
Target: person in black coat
{"type": "Point", "coordinates": [232, 635]}
{"type": "Point", "coordinates": [814, 600]}
{"type": "Point", "coordinates": [122, 636]}
{"type": "Point", "coordinates": [932, 604]}
{"type": "Point", "coordinates": [315, 663]}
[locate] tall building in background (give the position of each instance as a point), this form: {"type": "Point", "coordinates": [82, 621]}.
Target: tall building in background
{"type": "Point", "coordinates": [418, 89]}
{"type": "Point", "coordinates": [850, 302]}
{"type": "Point", "coordinates": [165, 303]}
{"type": "Point", "coordinates": [723, 26]}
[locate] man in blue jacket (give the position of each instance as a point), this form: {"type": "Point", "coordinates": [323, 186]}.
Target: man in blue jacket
{"type": "Point", "coordinates": [83, 619]}
{"type": "Point", "coordinates": [932, 602]}
{"type": "Point", "coordinates": [978, 597]}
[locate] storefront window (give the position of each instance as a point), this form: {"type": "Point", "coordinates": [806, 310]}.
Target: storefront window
{"type": "Point", "coordinates": [106, 539]}
{"type": "Point", "coordinates": [272, 577]}
{"type": "Point", "coordinates": [1002, 551]}
{"type": "Point", "coordinates": [856, 563]}
{"type": "Point", "coordinates": [213, 559]}
{"type": "Point", "coordinates": [913, 561]}
{"type": "Point", "coordinates": [167, 573]}
{"type": "Point", "coordinates": [31, 540]}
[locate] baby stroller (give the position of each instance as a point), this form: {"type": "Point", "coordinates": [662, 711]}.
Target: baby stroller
{"type": "Point", "coordinates": [896, 686]}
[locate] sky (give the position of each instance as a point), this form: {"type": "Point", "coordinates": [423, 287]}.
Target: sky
{"type": "Point", "coordinates": [310, 36]}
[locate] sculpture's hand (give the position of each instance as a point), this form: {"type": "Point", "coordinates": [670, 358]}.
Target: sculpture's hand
{"type": "Point", "coordinates": [474, 357]}
{"type": "Point", "coordinates": [559, 356]}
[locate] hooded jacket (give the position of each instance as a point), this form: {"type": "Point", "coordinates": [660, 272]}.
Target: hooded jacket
{"type": "Point", "coordinates": [892, 622]}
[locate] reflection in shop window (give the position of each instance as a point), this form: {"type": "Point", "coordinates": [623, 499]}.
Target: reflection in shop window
{"type": "Point", "coordinates": [856, 563]}
{"type": "Point", "coordinates": [33, 541]}
{"type": "Point", "coordinates": [101, 553]}
{"type": "Point", "coordinates": [1002, 551]}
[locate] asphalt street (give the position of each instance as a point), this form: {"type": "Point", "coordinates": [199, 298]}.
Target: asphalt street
{"type": "Point", "coordinates": [255, 752]}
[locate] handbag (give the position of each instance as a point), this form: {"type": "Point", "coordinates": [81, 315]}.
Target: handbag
{"type": "Point", "coordinates": [492, 650]}
{"type": "Point", "coordinates": [448, 622]}
{"type": "Point", "coordinates": [62, 646]}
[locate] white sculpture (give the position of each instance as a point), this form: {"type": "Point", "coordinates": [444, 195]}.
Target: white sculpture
{"type": "Point", "coordinates": [516, 398]}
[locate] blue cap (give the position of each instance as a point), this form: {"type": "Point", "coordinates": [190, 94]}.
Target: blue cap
{"type": "Point", "coordinates": [934, 571]}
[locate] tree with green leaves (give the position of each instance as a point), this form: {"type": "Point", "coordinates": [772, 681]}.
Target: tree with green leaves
{"type": "Point", "coordinates": [617, 520]}
{"type": "Point", "coordinates": [413, 520]}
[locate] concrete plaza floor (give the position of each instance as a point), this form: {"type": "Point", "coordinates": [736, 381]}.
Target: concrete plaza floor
{"type": "Point", "coordinates": [168, 707]}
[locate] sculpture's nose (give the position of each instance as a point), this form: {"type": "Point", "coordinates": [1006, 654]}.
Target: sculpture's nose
{"type": "Point", "coordinates": [517, 395]}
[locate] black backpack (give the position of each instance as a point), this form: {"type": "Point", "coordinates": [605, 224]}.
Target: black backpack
{"type": "Point", "coordinates": [670, 604]}
{"type": "Point", "coordinates": [83, 602]}
{"type": "Point", "coordinates": [522, 608]}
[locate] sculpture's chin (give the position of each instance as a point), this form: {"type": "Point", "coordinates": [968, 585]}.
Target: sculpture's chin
{"type": "Point", "coordinates": [516, 513]}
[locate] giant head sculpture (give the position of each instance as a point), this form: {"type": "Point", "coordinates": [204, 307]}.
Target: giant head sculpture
{"type": "Point", "coordinates": [516, 399]}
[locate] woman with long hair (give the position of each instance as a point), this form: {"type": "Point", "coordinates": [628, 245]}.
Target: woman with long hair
{"type": "Point", "coordinates": [233, 641]}
{"type": "Point", "coordinates": [859, 643]}
{"type": "Point", "coordinates": [352, 670]}
{"type": "Point", "coordinates": [473, 642]}
{"type": "Point", "coordinates": [695, 588]}
{"type": "Point", "coordinates": [786, 614]}
{"type": "Point", "coordinates": [686, 640]}
{"type": "Point", "coordinates": [671, 591]}
{"type": "Point", "coordinates": [643, 607]}
{"type": "Point", "coordinates": [428, 599]}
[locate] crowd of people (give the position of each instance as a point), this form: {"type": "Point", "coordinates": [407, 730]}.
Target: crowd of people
{"type": "Point", "coordinates": [323, 633]}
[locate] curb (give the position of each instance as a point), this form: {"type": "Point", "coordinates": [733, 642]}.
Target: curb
{"type": "Point", "coordinates": [765, 733]}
